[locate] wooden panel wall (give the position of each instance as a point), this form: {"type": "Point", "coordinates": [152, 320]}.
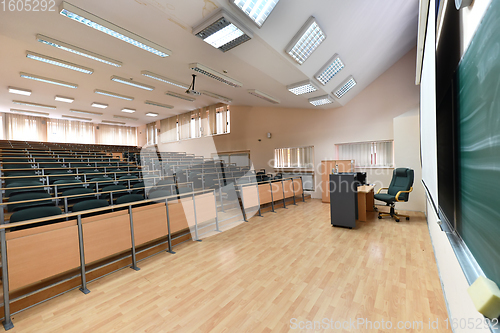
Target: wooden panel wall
{"type": "Point", "coordinates": [105, 235]}
{"type": "Point", "coordinates": [250, 196]}
{"type": "Point", "coordinates": [288, 188]}
{"type": "Point", "coordinates": [177, 217]}
{"type": "Point", "coordinates": [264, 193]}
{"type": "Point", "coordinates": [297, 185]}
{"type": "Point", "coordinates": [150, 222]}
{"type": "Point", "coordinates": [34, 255]}
{"type": "Point", "coordinates": [277, 191]}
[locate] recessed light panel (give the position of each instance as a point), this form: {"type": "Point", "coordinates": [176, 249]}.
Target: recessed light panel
{"type": "Point", "coordinates": [77, 50]}
{"type": "Point", "coordinates": [127, 118]}
{"type": "Point", "coordinates": [113, 122]}
{"type": "Point", "coordinates": [152, 114]}
{"type": "Point", "coordinates": [343, 88]}
{"type": "Point", "coordinates": [306, 41]}
{"type": "Point", "coordinates": [19, 91]}
{"type": "Point", "coordinates": [99, 105]}
{"type": "Point", "coordinates": [58, 62]}
{"type": "Point", "coordinates": [181, 96]}
{"type": "Point", "coordinates": [321, 100]}
{"type": "Point", "coordinates": [332, 67]}
{"type": "Point", "coordinates": [303, 87]}
{"type": "Point", "coordinates": [263, 96]}
{"type": "Point", "coordinates": [86, 112]}
{"type": "Point", "coordinates": [197, 67]}
{"type": "Point", "coordinates": [31, 113]}
{"type": "Point", "coordinates": [256, 10]}
{"type": "Point", "coordinates": [164, 79]}
{"type": "Point", "coordinates": [90, 20]}
{"type": "Point", "coordinates": [128, 110]}
{"type": "Point", "coordinates": [159, 104]}
{"type": "Point", "coordinates": [48, 80]}
{"type": "Point", "coordinates": [64, 99]}
{"type": "Point", "coordinates": [112, 94]}
{"type": "Point", "coordinates": [34, 105]}
{"type": "Point", "coordinates": [216, 96]}
{"type": "Point", "coordinates": [76, 118]}
{"type": "Point", "coordinates": [222, 31]}
{"type": "Point", "coordinates": [132, 83]}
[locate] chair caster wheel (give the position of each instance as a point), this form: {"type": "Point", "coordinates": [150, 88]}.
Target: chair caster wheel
{"type": "Point", "coordinates": [397, 220]}
{"type": "Point", "coordinates": [407, 219]}
{"type": "Point", "coordinates": [380, 217]}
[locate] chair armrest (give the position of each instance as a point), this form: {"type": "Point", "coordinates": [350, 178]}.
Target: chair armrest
{"type": "Point", "coordinates": [382, 188]}
{"type": "Point", "coordinates": [397, 195]}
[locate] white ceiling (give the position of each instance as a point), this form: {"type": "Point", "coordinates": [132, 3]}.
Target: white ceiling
{"type": "Point", "coordinates": [370, 36]}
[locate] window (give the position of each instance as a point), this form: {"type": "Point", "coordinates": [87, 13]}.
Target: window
{"type": "Point", "coordinates": [297, 157]}
{"type": "Point", "coordinates": [368, 154]}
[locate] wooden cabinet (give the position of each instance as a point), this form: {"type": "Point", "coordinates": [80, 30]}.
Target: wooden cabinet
{"type": "Point", "coordinates": [326, 170]}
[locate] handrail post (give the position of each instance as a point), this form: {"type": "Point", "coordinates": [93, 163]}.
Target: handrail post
{"type": "Point", "coordinates": [293, 190]}
{"type": "Point", "coordinates": [7, 323]}
{"type": "Point", "coordinates": [168, 229]}
{"type": "Point", "coordinates": [243, 204]}
{"type": "Point", "coordinates": [272, 197]}
{"type": "Point", "coordinates": [83, 288]}
{"type": "Point", "coordinates": [66, 206]}
{"type": "Point", "coordinates": [216, 214]}
{"type": "Point", "coordinates": [283, 190]}
{"type": "Point", "coordinates": [302, 185]}
{"type": "Point", "coordinates": [134, 259]}
{"type": "Point", "coordinates": [195, 222]}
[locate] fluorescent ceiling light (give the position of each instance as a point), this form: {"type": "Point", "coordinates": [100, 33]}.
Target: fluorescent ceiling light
{"type": "Point", "coordinates": [58, 62]}
{"type": "Point", "coordinates": [152, 114]}
{"type": "Point", "coordinates": [19, 91]}
{"type": "Point", "coordinates": [76, 118]}
{"type": "Point", "coordinates": [122, 117]}
{"type": "Point", "coordinates": [216, 96]}
{"type": "Point", "coordinates": [64, 99]}
{"type": "Point", "coordinates": [132, 83]}
{"type": "Point", "coordinates": [29, 112]}
{"type": "Point", "coordinates": [47, 80]}
{"type": "Point", "coordinates": [77, 50]}
{"type": "Point", "coordinates": [159, 104]}
{"type": "Point", "coordinates": [263, 96]}
{"type": "Point", "coordinates": [112, 94]}
{"type": "Point", "coordinates": [164, 79]}
{"type": "Point", "coordinates": [128, 110]}
{"type": "Point", "coordinates": [34, 104]}
{"type": "Point", "coordinates": [303, 87]}
{"type": "Point", "coordinates": [86, 112]}
{"type": "Point", "coordinates": [257, 10]}
{"type": "Point", "coordinates": [332, 67]}
{"type": "Point", "coordinates": [99, 105]}
{"type": "Point", "coordinates": [344, 87]}
{"type": "Point", "coordinates": [181, 96]}
{"type": "Point", "coordinates": [90, 20]}
{"type": "Point", "coordinates": [321, 100]}
{"type": "Point", "coordinates": [113, 122]}
{"type": "Point", "coordinates": [307, 39]}
{"type": "Point", "coordinates": [223, 31]}
{"type": "Point", "coordinates": [215, 75]}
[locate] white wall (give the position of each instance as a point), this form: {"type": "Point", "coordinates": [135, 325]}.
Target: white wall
{"type": "Point", "coordinates": [407, 155]}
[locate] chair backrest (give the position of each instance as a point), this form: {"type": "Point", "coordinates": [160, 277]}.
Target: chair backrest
{"type": "Point", "coordinates": [159, 194]}
{"type": "Point", "coordinates": [35, 213]}
{"type": "Point", "coordinates": [29, 196]}
{"type": "Point", "coordinates": [402, 180]}
{"type": "Point", "coordinates": [89, 204]}
{"type": "Point", "coordinates": [129, 198]}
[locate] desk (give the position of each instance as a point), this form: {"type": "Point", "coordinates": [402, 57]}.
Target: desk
{"type": "Point", "coordinates": [365, 201]}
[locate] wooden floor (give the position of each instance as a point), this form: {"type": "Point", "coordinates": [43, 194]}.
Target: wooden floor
{"type": "Point", "coordinates": [260, 275]}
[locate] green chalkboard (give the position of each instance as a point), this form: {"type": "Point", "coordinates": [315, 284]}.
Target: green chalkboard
{"type": "Point", "coordinates": [479, 144]}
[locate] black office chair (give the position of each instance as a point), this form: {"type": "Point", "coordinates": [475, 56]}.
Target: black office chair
{"type": "Point", "coordinates": [398, 191]}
